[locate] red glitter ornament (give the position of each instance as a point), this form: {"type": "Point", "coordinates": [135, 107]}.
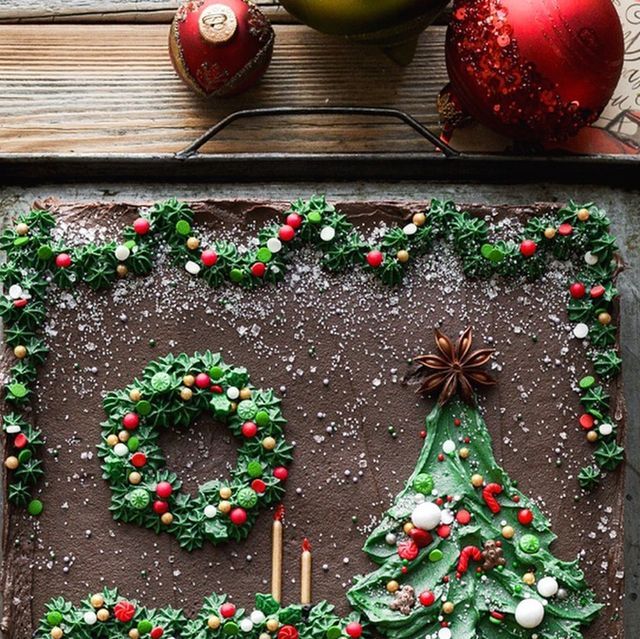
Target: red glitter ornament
{"type": "Point", "coordinates": [528, 248]}
{"type": "Point", "coordinates": [131, 421]}
{"type": "Point", "coordinates": [374, 258]}
{"type": "Point", "coordinates": [124, 611]}
{"type": "Point", "coordinates": [525, 516]}
{"type": "Point", "coordinates": [577, 290]}
{"type": "Point", "coordinates": [534, 70]}
{"type": "Point", "coordinates": [227, 610]}
{"type": "Point", "coordinates": [220, 47]}
{"type": "Point", "coordinates": [141, 226]}
{"type": "Point", "coordinates": [209, 257]}
{"type": "Point", "coordinates": [238, 516]}
{"type": "Point", "coordinates": [354, 629]}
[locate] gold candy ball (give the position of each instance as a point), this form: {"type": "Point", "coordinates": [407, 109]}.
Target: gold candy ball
{"type": "Point", "coordinates": [135, 478]}
{"type": "Point", "coordinates": [447, 607]}
{"type": "Point", "coordinates": [583, 215]}
{"type": "Point", "coordinates": [477, 480]}
{"type": "Point", "coordinates": [245, 393]}
{"type": "Point", "coordinates": [272, 625]}
{"type": "Point", "coordinates": [224, 506]}
{"type": "Point", "coordinates": [134, 634]}
{"type": "Point", "coordinates": [123, 436]}
{"type": "Point", "coordinates": [97, 600]}
{"type": "Point", "coordinates": [268, 443]}
{"type": "Point", "coordinates": [392, 586]}
{"type": "Point", "coordinates": [529, 578]}
{"type": "Point", "coordinates": [167, 519]}
{"type": "Point", "coordinates": [464, 453]}
{"type": "Point", "coordinates": [592, 436]}
{"type": "Point", "coordinates": [193, 243]}
{"type": "Point", "coordinates": [407, 528]}
{"type": "Point", "coordinates": [264, 635]}
{"type": "Point", "coordinates": [213, 622]}
{"type": "Point", "coordinates": [419, 219]}
{"type": "Point", "coordinates": [603, 318]}
{"type": "Point", "coordinates": [56, 632]}
{"type": "Point", "coordinates": [188, 380]}
{"type": "Point", "coordinates": [225, 492]}
{"type": "Point", "coordinates": [508, 532]}
{"type": "Point", "coordinates": [122, 270]}
{"type": "Point", "coordinates": [11, 462]}
{"type": "Point", "coordinates": [135, 395]}
{"type": "Point", "coordinates": [22, 229]}
{"type": "Point", "coordinates": [403, 256]}
{"type": "Point", "coordinates": [20, 351]}
{"type": "Point", "coordinates": [550, 233]}
{"type": "Point", "coordinates": [186, 393]}
{"type": "Point", "coordinates": [102, 614]}
{"type": "Point", "coordinates": [112, 440]}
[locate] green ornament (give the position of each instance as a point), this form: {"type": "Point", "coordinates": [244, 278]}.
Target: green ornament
{"type": "Point", "coordinates": [435, 555]}
{"type": "Point", "coordinates": [423, 483]}
{"type": "Point", "coordinates": [133, 443]}
{"type": "Point", "coordinates": [25, 455]}
{"type": "Point", "coordinates": [587, 382]}
{"type": "Point", "coordinates": [18, 390]}
{"type": "Point", "coordinates": [54, 618]}
{"type": "Point", "coordinates": [254, 469]}
{"type": "Point", "coordinates": [530, 544]}
{"type": "Point", "coordinates": [236, 275]}
{"type": "Point", "coordinates": [35, 507]}
{"type": "Point", "coordinates": [263, 255]}
{"type": "Point", "coordinates": [144, 626]}
{"type": "Point", "coordinates": [139, 498]}
{"type": "Point", "coordinates": [45, 252]}
{"type": "Point", "coordinates": [183, 227]}
{"type": "Point", "coordinates": [333, 632]}
{"type": "Point", "coordinates": [262, 418]}
{"type": "Point", "coordinates": [315, 217]}
{"type": "Point", "coordinates": [247, 409]}
{"type": "Point", "coordinates": [230, 628]}
{"type": "Point", "coordinates": [247, 497]}
{"type": "Point", "coordinates": [215, 372]}
{"type": "Point", "coordinates": [143, 407]}
{"type": "Point", "coordinates": [161, 382]}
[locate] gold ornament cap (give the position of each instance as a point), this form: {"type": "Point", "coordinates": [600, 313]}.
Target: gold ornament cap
{"type": "Point", "coordinates": [217, 24]}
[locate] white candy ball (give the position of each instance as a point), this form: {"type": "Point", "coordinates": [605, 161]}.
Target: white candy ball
{"type": "Point", "coordinates": [210, 511]}
{"type": "Point", "coordinates": [257, 616]}
{"type": "Point", "coordinates": [444, 633]}
{"type": "Point", "coordinates": [426, 515]}
{"type": "Point", "coordinates": [390, 538]}
{"type": "Point", "coordinates": [121, 450]}
{"type": "Point", "coordinates": [193, 268]}
{"type": "Point", "coordinates": [581, 330]}
{"type": "Point", "coordinates": [90, 617]}
{"type": "Point", "coordinates": [274, 244]}
{"type": "Point", "coordinates": [605, 429]}
{"type": "Point", "coordinates": [15, 291]}
{"type": "Point", "coordinates": [327, 233]}
{"type": "Point", "coordinates": [233, 392]}
{"type": "Point", "coordinates": [122, 252]}
{"type": "Point", "coordinates": [529, 613]}
{"type": "Point", "coordinates": [246, 625]}
{"type": "Point", "coordinates": [448, 446]}
{"type": "Point", "coordinates": [447, 517]}
{"type": "Point", "coordinates": [547, 586]}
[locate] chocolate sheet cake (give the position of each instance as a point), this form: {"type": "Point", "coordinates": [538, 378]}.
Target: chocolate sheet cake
{"type": "Point", "coordinates": [333, 323]}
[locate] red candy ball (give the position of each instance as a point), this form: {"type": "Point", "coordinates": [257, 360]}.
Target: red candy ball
{"type": "Point", "coordinates": [534, 70]}
{"type": "Point", "coordinates": [288, 632]}
{"type": "Point", "coordinates": [587, 421]}
{"type": "Point", "coordinates": [374, 258]}
{"type": "Point", "coordinates": [294, 220]}
{"type": "Point", "coordinates": [124, 611]}
{"type": "Point", "coordinates": [220, 47]}
{"type": "Point", "coordinates": [156, 633]}
{"type": "Point", "coordinates": [131, 421]}
{"type": "Point", "coordinates": [528, 248]}
{"type": "Point", "coordinates": [249, 429]}
{"type": "Point", "coordinates": [20, 440]}
{"type": "Point", "coordinates": [577, 290]}
{"type": "Point", "coordinates": [238, 516]}
{"type": "Point", "coordinates": [227, 610]}
{"type": "Point", "coordinates": [597, 291]}
{"type": "Point", "coordinates": [427, 598]}
{"type": "Point", "coordinates": [142, 226]}
{"type": "Point", "coordinates": [138, 459]}
{"type": "Point", "coordinates": [286, 233]}
{"type": "Point", "coordinates": [164, 490]}
{"type": "Point", "coordinates": [420, 537]}
{"type": "Point", "coordinates": [63, 260]}
{"type": "Point", "coordinates": [259, 486]}
{"type": "Point", "coordinates": [208, 257]}
{"type": "Point", "coordinates": [354, 629]}
{"type": "Point", "coordinates": [463, 517]}
{"type": "Point", "coordinates": [258, 269]}
{"type": "Point", "coordinates": [202, 380]}
{"type": "Point", "coordinates": [160, 507]}
{"type": "Point", "coordinates": [565, 229]}
{"type": "Point", "coordinates": [525, 516]}
{"type": "Point", "coordinates": [281, 473]}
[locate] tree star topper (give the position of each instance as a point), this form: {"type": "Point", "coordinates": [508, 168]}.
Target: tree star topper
{"type": "Point", "coordinates": [456, 369]}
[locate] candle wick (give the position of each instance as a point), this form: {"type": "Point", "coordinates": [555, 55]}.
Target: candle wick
{"type": "Point", "coordinates": [306, 545]}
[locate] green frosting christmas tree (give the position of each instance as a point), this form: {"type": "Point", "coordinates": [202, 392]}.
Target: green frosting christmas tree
{"type": "Point", "coordinates": [462, 553]}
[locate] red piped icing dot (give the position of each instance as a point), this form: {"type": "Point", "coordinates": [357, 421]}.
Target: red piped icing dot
{"type": "Point", "coordinates": [457, 422]}
{"type": "Point", "coordinates": [20, 440]}
{"type": "Point", "coordinates": [440, 457]}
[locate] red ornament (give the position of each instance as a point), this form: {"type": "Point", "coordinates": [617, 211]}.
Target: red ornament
{"type": "Point", "coordinates": [374, 258]}
{"type": "Point", "coordinates": [281, 473]}
{"type": "Point", "coordinates": [220, 47]}
{"type": "Point", "coordinates": [286, 233]}
{"type": "Point", "coordinates": [586, 421]}
{"type": "Point", "coordinates": [63, 260]}
{"type": "Point", "coordinates": [131, 421]}
{"type": "Point", "coordinates": [208, 257]}
{"type": "Point", "coordinates": [525, 516]}
{"type": "Point", "coordinates": [443, 531]}
{"type": "Point", "coordinates": [160, 507]}
{"type": "Point", "coordinates": [427, 598]}
{"type": "Point", "coordinates": [20, 440]}
{"type": "Point", "coordinates": [577, 290]}
{"type": "Point", "coordinates": [21, 303]}
{"type": "Point", "coordinates": [238, 516]}
{"type": "Point", "coordinates": [258, 269]}
{"type": "Point", "coordinates": [227, 609]}
{"type": "Point", "coordinates": [294, 220]}
{"type": "Point", "coordinates": [534, 70]}
{"type": "Point", "coordinates": [138, 459]}
{"type": "Point", "coordinates": [202, 380]}
{"type": "Point", "coordinates": [141, 226]}
{"type": "Point", "coordinates": [288, 632]}
{"type": "Point", "coordinates": [164, 490]}
{"type": "Point", "coordinates": [528, 248]}
{"type": "Point", "coordinates": [217, 389]}
{"type": "Point", "coordinates": [354, 629]}
{"type": "Point", "coordinates": [407, 549]}
{"type": "Point", "coordinates": [463, 517]}
{"type": "Point", "coordinates": [249, 429]}
{"type": "Point", "coordinates": [565, 229]}
{"type": "Point", "coordinates": [597, 291]}
{"type": "Point", "coordinates": [259, 486]}
{"type": "Point", "coordinates": [156, 633]}
{"type": "Point", "coordinates": [421, 537]}
{"type": "Point", "coordinates": [457, 422]}
{"type": "Point", "coordinates": [124, 611]}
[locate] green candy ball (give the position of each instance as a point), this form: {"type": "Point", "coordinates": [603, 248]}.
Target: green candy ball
{"type": "Point", "coordinates": [529, 544]}
{"type": "Point", "coordinates": [139, 498]}
{"type": "Point", "coordinates": [247, 409]}
{"type": "Point", "coordinates": [423, 483]}
{"type": "Point", "coordinates": [247, 497]}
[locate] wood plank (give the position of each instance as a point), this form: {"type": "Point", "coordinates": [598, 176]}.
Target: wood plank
{"type": "Point", "coordinates": [111, 88]}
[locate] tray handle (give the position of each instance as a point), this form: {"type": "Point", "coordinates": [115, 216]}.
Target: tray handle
{"type": "Point", "coordinates": [244, 114]}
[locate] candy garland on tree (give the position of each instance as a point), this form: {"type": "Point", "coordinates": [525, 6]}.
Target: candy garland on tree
{"type": "Point", "coordinates": [173, 391]}
{"type": "Point", "coordinates": [35, 258]}
{"type": "Point", "coordinates": [107, 615]}
{"type": "Point", "coordinates": [462, 552]}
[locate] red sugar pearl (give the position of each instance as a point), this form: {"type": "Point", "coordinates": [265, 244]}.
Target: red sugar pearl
{"type": "Point", "coordinates": [138, 459]}
{"type": "Point", "coordinates": [63, 260]}
{"type": "Point", "coordinates": [374, 258]}
{"type": "Point", "coordinates": [164, 490]}
{"type": "Point", "coordinates": [227, 610]}
{"type": "Point", "coordinates": [463, 517]}
{"type": "Point", "coordinates": [238, 516]}
{"type": "Point", "coordinates": [565, 229]}
{"type": "Point", "coordinates": [156, 633]}
{"type": "Point", "coordinates": [577, 290]}
{"type": "Point", "coordinates": [587, 421]}
{"type": "Point", "coordinates": [281, 473]}
{"type": "Point", "coordinates": [525, 516]}
{"type": "Point", "coordinates": [131, 421]}
{"type": "Point", "coordinates": [249, 429]}
{"type": "Point", "coordinates": [160, 507]}
{"type": "Point", "coordinates": [528, 248]}
{"type": "Point", "coordinates": [208, 257]}
{"type": "Point", "coordinates": [294, 220]}
{"type": "Point", "coordinates": [427, 598]}
{"type": "Point", "coordinates": [259, 486]}
{"type": "Point", "coordinates": [258, 269]}
{"type": "Point", "coordinates": [202, 380]}
{"type": "Point", "coordinates": [354, 629]}
{"type": "Point", "coordinates": [141, 226]}
{"type": "Point", "coordinates": [286, 233]}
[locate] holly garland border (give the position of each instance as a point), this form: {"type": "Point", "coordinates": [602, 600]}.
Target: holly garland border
{"type": "Point", "coordinates": [573, 232]}
{"type": "Point", "coordinates": [106, 614]}
{"type": "Point", "coordinates": [174, 391]}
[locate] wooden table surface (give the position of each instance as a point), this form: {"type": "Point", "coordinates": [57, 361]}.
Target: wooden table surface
{"type": "Point", "coordinates": [95, 77]}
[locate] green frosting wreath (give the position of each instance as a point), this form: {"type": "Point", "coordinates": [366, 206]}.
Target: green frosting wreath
{"type": "Point", "coordinates": [173, 391]}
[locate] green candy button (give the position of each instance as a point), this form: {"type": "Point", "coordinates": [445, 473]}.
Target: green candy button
{"type": "Point", "coordinates": [144, 626]}
{"type": "Point", "coordinates": [529, 544]}
{"type": "Point", "coordinates": [236, 275]}
{"type": "Point", "coordinates": [143, 407]}
{"type": "Point", "coordinates": [435, 555]}
{"type": "Point", "coordinates": [315, 217]}
{"type": "Point", "coordinates": [334, 632]}
{"type": "Point", "coordinates": [35, 507]}
{"type": "Point", "coordinates": [254, 469]}
{"type": "Point", "coordinates": [230, 628]}
{"type": "Point", "coordinates": [587, 382]}
{"type": "Point", "coordinates": [54, 618]}
{"type": "Point", "coordinates": [21, 241]}
{"type": "Point", "coordinates": [132, 444]}
{"type": "Point", "coordinates": [45, 252]}
{"type": "Point", "coordinates": [247, 409]}
{"type": "Point", "coordinates": [139, 498]}
{"type": "Point", "coordinates": [18, 390]}
{"type": "Point", "coordinates": [161, 382]}
{"type": "Point", "coordinates": [247, 497]}
{"type": "Point", "coordinates": [215, 372]}
{"type": "Point", "coordinates": [262, 418]}
{"type": "Point", "coordinates": [423, 483]}
{"type": "Point", "coordinates": [183, 227]}
{"type": "Point", "coordinates": [25, 455]}
{"type": "Point", "coordinates": [264, 255]}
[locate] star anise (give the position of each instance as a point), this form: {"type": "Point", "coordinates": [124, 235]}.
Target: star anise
{"type": "Point", "coordinates": [456, 369]}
